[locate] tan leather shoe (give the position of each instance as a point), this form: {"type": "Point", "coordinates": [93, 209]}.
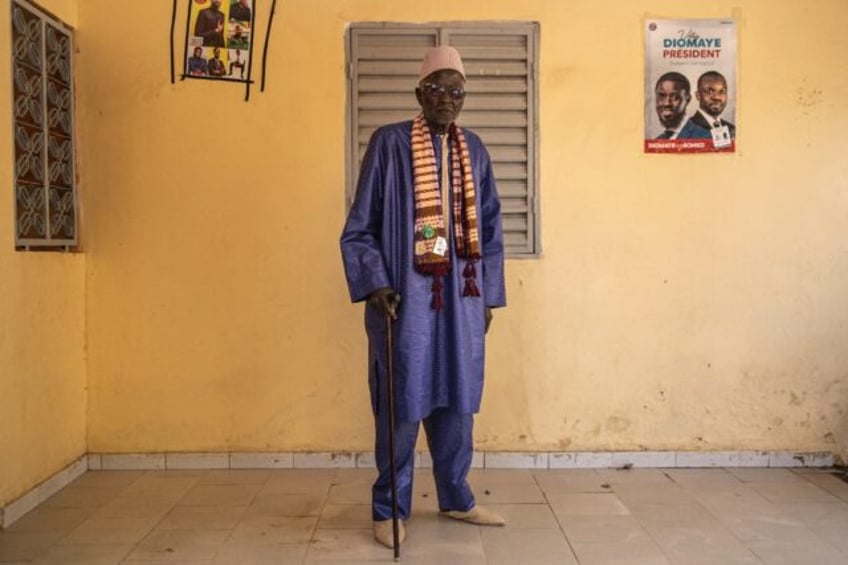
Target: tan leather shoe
{"type": "Point", "coordinates": [479, 515]}
{"type": "Point", "coordinates": [384, 534]}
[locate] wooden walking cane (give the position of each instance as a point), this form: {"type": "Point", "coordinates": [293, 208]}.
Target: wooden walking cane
{"type": "Point", "coordinates": [395, 298]}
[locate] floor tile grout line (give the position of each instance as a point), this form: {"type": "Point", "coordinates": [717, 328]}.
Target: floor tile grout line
{"type": "Point", "coordinates": [140, 541]}
{"type": "Point", "coordinates": [554, 514]}
{"type": "Point", "coordinates": [707, 510]}
{"type": "Point", "coordinates": [312, 535]}
{"type": "Point", "coordinates": [724, 523]}
{"type": "Point", "coordinates": [57, 541]}
{"type": "Point", "coordinates": [726, 526]}
{"type": "Point", "coordinates": [174, 505]}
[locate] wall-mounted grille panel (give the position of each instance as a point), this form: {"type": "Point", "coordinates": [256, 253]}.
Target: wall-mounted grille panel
{"type": "Point", "coordinates": [42, 91]}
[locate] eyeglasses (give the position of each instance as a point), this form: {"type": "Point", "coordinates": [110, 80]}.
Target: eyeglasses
{"type": "Point", "coordinates": [439, 90]}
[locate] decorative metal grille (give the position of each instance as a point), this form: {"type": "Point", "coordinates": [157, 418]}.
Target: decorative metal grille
{"type": "Point", "coordinates": [43, 129]}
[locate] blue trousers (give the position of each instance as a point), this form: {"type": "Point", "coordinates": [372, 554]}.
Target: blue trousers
{"type": "Point", "coordinates": [450, 439]}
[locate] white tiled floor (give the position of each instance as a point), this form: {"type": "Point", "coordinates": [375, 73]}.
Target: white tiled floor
{"type": "Point", "coordinates": [243, 517]}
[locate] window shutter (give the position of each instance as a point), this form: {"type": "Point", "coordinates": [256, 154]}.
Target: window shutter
{"type": "Point", "coordinates": [499, 63]}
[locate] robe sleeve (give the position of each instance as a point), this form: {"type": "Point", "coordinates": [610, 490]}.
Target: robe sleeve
{"type": "Point", "coordinates": [492, 246]}
{"type": "Point", "coordinates": [365, 267]}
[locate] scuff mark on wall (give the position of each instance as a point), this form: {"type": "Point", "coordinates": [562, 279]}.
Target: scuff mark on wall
{"type": "Point", "coordinates": [809, 98]}
{"type": "Point", "coordinates": [796, 400]}
{"type": "Point", "coordinates": [617, 424]}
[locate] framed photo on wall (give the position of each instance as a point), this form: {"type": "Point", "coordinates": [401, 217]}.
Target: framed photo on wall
{"type": "Point", "coordinates": [219, 40]}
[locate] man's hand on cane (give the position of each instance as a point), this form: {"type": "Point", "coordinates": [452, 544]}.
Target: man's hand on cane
{"type": "Point", "coordinates": [386, 301]}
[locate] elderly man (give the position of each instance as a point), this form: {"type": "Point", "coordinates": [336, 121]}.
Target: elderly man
{"type": "Point", "coordinates": [423, 245]}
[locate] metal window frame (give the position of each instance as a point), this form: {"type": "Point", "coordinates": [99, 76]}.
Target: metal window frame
{"type": "Point", "coordinates": [48, 242]}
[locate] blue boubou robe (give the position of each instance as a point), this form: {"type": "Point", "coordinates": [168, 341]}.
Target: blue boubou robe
{"type": "Point", "coordinates": [438, 355]}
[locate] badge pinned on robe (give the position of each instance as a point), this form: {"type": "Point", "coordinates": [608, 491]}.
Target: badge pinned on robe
{"type": "Point", "coordinates": [219, 41]}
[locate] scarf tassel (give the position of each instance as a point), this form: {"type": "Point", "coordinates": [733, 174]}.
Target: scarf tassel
{"type": "Point", "coordinates": [437, 291]}
{"type": "Point", "coordinates": [470, 274]}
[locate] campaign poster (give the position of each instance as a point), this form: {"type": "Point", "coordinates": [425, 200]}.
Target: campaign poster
{"type": "Point", "coordinates": [220, 33]}
{"type": "Point", "coordinates": [690, 86]}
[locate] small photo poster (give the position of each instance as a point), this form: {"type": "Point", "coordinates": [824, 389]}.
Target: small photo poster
{"type": "Point", "coordinates": [690, 86]}
{"type": "Point", "coordinates": [220, 33]}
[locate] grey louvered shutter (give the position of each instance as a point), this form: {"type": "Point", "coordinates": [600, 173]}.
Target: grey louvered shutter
{"type": "Point", "coordinates": [500, 67]}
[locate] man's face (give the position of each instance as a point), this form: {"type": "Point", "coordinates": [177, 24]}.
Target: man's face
{"type": "Point", "coordinates": [216, 3]}
{"type": "Point", "coordinates": [712, 96]}
{"type": "Point", "coordinates": [198, 51]}
{"type": "Point", "coordinates": [671, 103]}
{"type": "Point", "coordinates": [243, 3]}
{"type": "Point", "coordinates": [441, 96]}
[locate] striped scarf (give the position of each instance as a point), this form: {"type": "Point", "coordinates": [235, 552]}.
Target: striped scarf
{"type": "Point", "coordinates": [432, 254]}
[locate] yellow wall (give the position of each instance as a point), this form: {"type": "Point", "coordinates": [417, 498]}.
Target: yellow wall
{"type": "Point", "coordinates": [680, 303]}
{"type": "Point", "coordinates": [42, 332]}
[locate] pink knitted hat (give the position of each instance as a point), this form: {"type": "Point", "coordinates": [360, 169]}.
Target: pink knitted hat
{"type": "Point", "coordinates": [440, 58]}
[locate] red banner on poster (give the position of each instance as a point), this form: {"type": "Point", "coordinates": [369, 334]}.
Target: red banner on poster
{"type": "Point", "coordinates": [686, 146]}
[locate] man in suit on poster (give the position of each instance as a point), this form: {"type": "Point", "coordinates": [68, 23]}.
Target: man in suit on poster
{"type": "Point", "coordinates": [672, 95]}
{"type": "Point", "coordinates": [210, 25]}
{"type": "Point", "coordinates": [712, 100]}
